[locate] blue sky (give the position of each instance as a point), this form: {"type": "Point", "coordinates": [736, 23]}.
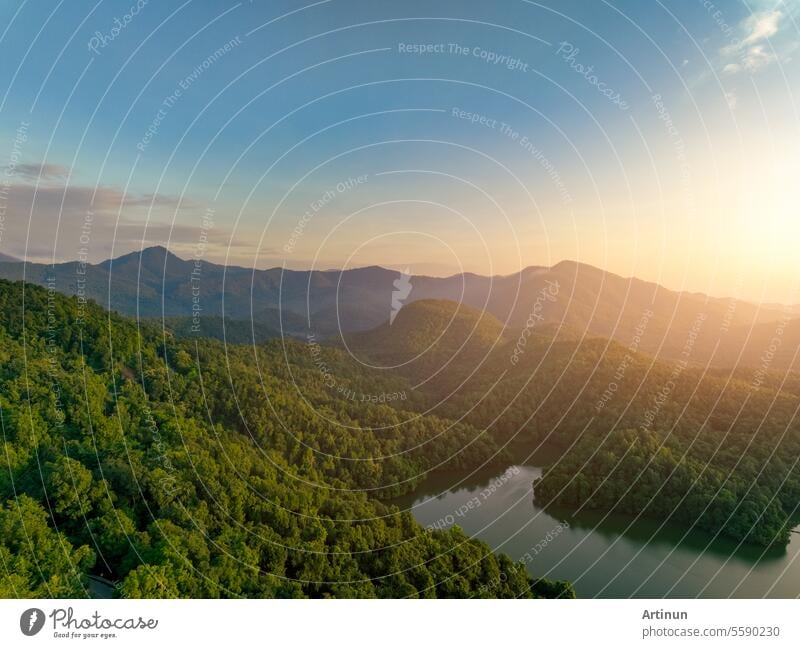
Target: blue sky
{"type": "Point", "coordinates": [257, 110]}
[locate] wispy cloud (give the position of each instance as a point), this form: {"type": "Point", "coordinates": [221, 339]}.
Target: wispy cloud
{"type": "Point", "coordinates": [761, 25]}
{"type": "Point", "coordinates": [41, 171]}
{"type": "Point", "coordinates": [53, 218]}
{"type": "Point", "coordinates": [763, 37]}
{"type": "Point", "coordinates": [69, 199]}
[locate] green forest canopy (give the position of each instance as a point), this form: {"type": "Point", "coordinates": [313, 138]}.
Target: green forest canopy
{"type": "Point", "coordinates": [180, 468]}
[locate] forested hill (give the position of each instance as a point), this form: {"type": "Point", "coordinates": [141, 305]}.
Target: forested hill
{"type": "Point", "coordinates": [184, 468]}
{"type": "Point", "coordinates": [260, 304]}
{"type": "Point", "coordinates": [717, 450]}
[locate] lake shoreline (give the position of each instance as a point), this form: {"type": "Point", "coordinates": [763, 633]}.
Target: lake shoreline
{"type": "Point", "coordinates": [603, 554]}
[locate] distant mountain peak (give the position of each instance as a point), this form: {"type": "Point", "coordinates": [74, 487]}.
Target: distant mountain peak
{"type": "Point", "coordinates": [150, 257]}
{"type": "Point", "coordinates": [158, 252]}
{"type": "Point", "coordinates": [571, 265]}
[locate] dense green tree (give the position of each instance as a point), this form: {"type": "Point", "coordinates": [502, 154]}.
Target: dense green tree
{"type": "Point", "coordinates": [35, 560]}
{"type": "Point", "coordinates": [185, 468]}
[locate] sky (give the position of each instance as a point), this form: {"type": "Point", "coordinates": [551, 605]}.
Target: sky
{"type": "Point", "coordinates": [657, 139]}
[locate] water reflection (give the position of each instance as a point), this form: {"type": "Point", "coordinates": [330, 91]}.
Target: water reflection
{"type": "Point", "coordinates": [609, 556]}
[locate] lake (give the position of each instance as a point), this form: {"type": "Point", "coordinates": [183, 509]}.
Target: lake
{"type": "Point", "coordinates": [602, 555]}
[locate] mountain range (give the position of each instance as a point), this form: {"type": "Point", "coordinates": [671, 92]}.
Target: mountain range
{"type": "Point", "coordinates": [244, 304]}
{"type": "Point", "coordinates": [149, 459]}
{"type": "Point", "coordinates": [705, 447]}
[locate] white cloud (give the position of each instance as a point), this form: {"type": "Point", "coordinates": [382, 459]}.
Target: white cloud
{"type": "Point", "coordinates": [761, 25]}
{"type": "Point", "coordinates": [762, 38]}
{"type": "Point", "coordinates": [732, 100]}
{"type": "Point", "coordinates": [757, 57]}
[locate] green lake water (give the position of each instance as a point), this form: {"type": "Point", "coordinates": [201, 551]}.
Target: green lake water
{"type": "Point", "coordinates": [602, 555]}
